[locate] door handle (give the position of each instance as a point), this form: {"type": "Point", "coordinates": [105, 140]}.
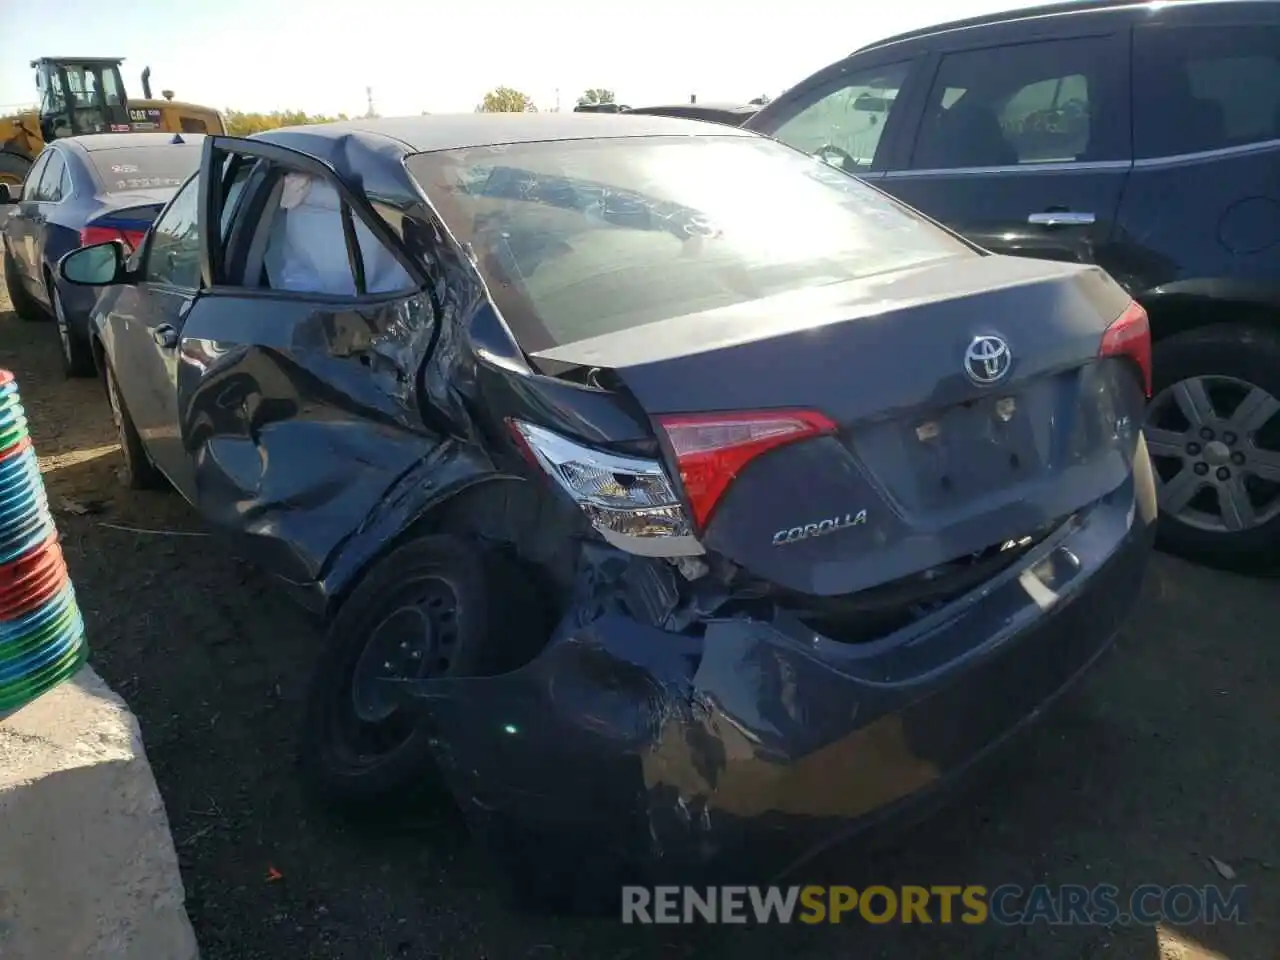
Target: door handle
{"type": "Point", "coordinates": [165, 336]}
{"type": "Point", "coordinates": [1061, 218]}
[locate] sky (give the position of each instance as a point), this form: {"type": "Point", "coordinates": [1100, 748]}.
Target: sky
{"type": "Point", "coordinates": [320, 55]}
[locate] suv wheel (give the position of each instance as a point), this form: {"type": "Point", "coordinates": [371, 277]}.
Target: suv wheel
{"type": "Point", "coordinates": [1213, 432]}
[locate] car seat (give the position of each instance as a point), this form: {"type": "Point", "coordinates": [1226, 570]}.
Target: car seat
{"type": "Point", "coordinates": [1184, 123]}
{"type": "Point", "coordinates": [967, 135]}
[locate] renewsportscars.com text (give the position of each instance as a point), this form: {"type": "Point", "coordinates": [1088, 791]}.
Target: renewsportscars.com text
{"type": "Point", "coordinates": [1009, 904]}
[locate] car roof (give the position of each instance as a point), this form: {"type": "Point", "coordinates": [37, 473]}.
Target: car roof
{"type": "Point", "coordinates": [1055, 8]}
{"type": "Point", "coordinates": [456, 131]}
{"type": "Point", "coordinates": [92, 142]}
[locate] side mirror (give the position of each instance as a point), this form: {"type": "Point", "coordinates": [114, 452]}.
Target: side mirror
{"type": "Point", "coordinates": [99, 265]}
{"type": "Point", "coordinates": [6, 196]}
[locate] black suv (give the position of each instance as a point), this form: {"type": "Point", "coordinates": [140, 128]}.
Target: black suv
{"type": "Point", "coordinates": [1144, 137]}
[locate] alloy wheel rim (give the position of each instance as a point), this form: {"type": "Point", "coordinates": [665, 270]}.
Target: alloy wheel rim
{"type": "Point", "coordinates": [1214, 442]}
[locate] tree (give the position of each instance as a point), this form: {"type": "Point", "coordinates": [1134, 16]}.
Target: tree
{"type": "Point", "coordinates": [761, 100]}
{"type": "Point", "coordinates": [596, 95]}
{"type": "Point", "coordinates": [506, 100]}
{"type": "Point", "coordinates": [242, 124]}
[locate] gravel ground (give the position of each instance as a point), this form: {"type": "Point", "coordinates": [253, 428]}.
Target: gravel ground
{"type": "Point", "coordinates": [1165, 758]}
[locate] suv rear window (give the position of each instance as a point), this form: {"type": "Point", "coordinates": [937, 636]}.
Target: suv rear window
{"type": "Point", "coordinates": [145, 168]}
{"type": "Point", "coordinates": [580, 238]}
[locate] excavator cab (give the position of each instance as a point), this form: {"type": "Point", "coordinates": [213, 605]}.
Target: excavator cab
{"type": "Point", "coordinates": [80, 95]}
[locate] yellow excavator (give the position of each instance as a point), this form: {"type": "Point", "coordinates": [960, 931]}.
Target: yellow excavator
{"type": "Point", "coordinates": [79, 95]}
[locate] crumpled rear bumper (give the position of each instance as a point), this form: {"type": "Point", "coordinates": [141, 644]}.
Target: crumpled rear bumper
{"type": "Point", "coordinates": [732, 756]}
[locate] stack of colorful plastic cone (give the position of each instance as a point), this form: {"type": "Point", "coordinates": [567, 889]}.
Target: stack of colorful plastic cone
{"type": "Point", "coordinates": [41, 631]}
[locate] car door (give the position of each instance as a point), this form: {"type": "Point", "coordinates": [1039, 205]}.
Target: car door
{"type": "Point", "coordinates": [54, 189]}
{"type": "Point", "coordinates": [849, 114]}
{"type": "Point", "coordinates": [1203, 203]}
{"type": "Point", "coordinates": [297, 386]}
{"type": "Point", "coordinates": [1024, 145]}
{"type": "Point", "coordinates": [18, 227]}
{"type": "Point", "coordinates": [142, 324]}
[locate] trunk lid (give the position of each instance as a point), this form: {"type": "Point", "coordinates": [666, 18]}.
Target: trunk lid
{"type": "Point", "coordinates": [138, 209]}
{"type": "Point", "coordinates": [125, 216]}
{"type": "Point", "coordinates": [927, 465]}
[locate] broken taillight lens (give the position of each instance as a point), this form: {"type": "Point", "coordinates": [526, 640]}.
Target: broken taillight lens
{"type": "Point", "coordinates": [1130, 336]}
{"type": "Point", "coordinates": [629, 500]}
{"type": "Point", "coordinates": [712, 449]}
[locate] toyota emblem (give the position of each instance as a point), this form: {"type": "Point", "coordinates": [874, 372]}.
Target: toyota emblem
{"type": "Point", "coordinates": [987, 360]}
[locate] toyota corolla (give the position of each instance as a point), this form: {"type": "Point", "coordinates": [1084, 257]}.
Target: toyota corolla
{"type": "Point", "coordinates": [683, 503]}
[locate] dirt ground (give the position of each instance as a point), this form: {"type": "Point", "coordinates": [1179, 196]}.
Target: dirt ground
{"type": "Point", "coordinates": [1166, 757]}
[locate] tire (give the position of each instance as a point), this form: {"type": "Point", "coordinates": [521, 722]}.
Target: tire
{"type": "Point", "coordinates": [139, 472]}
{"type": "Point", "coordinates": [24, 305]}
{"type": "Point", "coordinates": [357, 750]}
{"type": "Point", "coordinates": [1233, 447]}
{"type": "Point", "coordinates": [13, 170]}
{"type": "Point", "coordinates": [73, 344]}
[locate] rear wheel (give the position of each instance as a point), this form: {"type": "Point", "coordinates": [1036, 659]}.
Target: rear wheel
{"type": "Point", "coordinates": [439, 606]}
{"type": "Point", "coordinates": [24, 305]}
{"type": "Point", "coordinates": [1213, 432]}
{"type": "Point", "coordinates": [139, 472]}
{"type": "Point", "coordinates": [77, 357]}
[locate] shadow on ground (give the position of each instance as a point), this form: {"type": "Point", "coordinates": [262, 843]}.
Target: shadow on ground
{"type": "Point", "coordinates": [1163, 759]}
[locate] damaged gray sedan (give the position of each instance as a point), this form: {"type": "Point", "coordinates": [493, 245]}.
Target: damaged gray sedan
{"type": "Point", "coordinates": [686, 505]}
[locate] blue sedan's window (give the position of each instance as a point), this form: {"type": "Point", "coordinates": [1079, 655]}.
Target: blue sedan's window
{"type": "Point", "coordinates": [580, 238]}
{"type": "Point", "coordinates": [31, 185]}
{"type": "Point", "coordinates": [53, 178]}
{"type": "Point", "coordinates": [153, 167]}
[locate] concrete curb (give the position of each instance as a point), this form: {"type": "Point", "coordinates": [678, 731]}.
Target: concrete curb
{"type": "Point", "coordinates": [87, 864]}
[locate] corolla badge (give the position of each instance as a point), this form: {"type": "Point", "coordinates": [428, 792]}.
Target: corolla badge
{"type": "Point", "coordinates": [819, 528]}
{"type": "Point", "coordinates": [987, 360]}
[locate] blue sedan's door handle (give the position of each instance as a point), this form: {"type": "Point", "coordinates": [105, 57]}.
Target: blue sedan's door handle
{"type": "Point", "coordinates": [165, 335]}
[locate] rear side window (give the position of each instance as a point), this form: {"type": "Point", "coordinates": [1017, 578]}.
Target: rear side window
{"type": "Point", "coordinates": [581, 238]}
{"type": "Point", "coordinates": [1023, 104]}
{"type": "Point", "coordinates": [31, 185]}
{"type": "Point", "coordinates": [123, 169]}
{"type": "Point", "coordinates": [55, 180]}
{"type": "Point", "coordinates": [291, 231]}
{"type": "Point", "coordinates": [1202, 89]}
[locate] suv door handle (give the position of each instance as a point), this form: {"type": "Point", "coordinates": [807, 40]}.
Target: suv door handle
{"type": "Point", "coordinates": [1061, 218]}
{"type": "Point", "coordinates": [165, 335]}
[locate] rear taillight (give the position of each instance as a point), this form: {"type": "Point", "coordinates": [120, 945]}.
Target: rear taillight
{"type": "Point", "coordinates": [629, 500]}
{"type": "Point", "coordinates": [131, 239]}
{"type": "Point", "coordinates": [712, 449]}
{"type": "Point", "coordinates": [1130, 336]}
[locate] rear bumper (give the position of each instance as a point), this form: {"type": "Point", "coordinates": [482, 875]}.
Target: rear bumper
{"type": "Point", "coordinates": [734, 756]}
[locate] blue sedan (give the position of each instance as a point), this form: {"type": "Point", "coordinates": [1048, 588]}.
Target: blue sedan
{"type": "Point", "coordinates": [84, 190]}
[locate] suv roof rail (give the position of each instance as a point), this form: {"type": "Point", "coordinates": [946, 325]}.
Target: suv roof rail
{"type": "Point", "coordinates": [1018, 13]}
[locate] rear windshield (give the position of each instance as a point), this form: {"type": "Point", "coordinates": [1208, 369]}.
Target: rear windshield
{"type": "Point", "coordinates": [580, 238]}
{"type": "Point", "coordinates": [145, 168]}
